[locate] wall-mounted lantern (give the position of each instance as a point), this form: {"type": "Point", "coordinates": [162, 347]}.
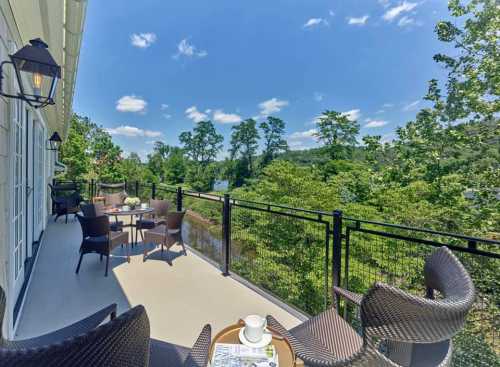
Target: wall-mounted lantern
{"type": "Point", "coordinates": [40, 67]}
{"type": "Point", "coordinates": [54, 142]}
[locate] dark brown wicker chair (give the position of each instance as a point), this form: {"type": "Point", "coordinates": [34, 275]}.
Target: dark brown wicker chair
{"type": "Point", "coordinates": [159, 216]}
{"type": "Point", "coordinates": [97, 210]}
{"type": "Point", "coordinates": [98, 238]}
{"type": "Point", "coordinates": [113, 194]}
{"type": "Point", "coordinates": [124, 341]}
{"type": "Point", "coordinates": [398, 329]}
{"type": "Point", "coordinates": [65, 205]}
{"type": "Point", "coordinates": [166, 235]}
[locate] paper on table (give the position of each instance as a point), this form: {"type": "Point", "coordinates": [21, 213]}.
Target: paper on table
{"type": "Point", "coordinates": [237, 355]}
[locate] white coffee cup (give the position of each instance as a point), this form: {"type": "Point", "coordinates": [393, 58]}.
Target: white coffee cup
{"type": "Point", "coordinates": [144, 205]}
{"type": "Point", "coordinates": [254, 328]}
{"type": "Point", "coordinates": [125, 208]}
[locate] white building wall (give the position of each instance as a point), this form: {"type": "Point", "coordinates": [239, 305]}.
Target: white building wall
{"type": "Point", "coordinates": [8, 43]}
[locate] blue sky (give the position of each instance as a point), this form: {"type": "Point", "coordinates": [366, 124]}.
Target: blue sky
{"type": "Point", "coordinates": [150, 69]}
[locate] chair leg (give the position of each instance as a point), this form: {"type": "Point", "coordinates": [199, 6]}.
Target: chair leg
{"type": "Point", "coordinates": [107, 265]}
{"type": "Point", "coordinates": [79, 263]}
{"type": "Point", "coordinates": [66, 218]}
{"type": "Point", "coordinates": [183, 247]}
{"type": "Point", "coordinates": [100, 258]}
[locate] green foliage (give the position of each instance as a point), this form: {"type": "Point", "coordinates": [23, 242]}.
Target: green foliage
{"type": "Point", "coordinates": [203, 144]}
{"type": "Point", "coordinates": [75, 148]}
{"type": "Point", "coordinates": [338, 133]}
{"type": "Point", "coordinates": [273, 130]}
{"type": "Point", "coordinates": [244, 144]}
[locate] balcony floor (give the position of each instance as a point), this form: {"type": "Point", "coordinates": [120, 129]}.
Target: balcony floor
{"type": "Point", "coordinates": [179, 299]}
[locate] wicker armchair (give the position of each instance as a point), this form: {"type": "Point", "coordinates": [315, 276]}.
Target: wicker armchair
{"type": "Point", "coordinates": [124, 341]}
{"type": "Point", "coordinates": [113, 194]}
{"type": "Point", "coordinates": [98, 238]}
{"type": "Point", "coordinates": [158, 217]}
{"type": "Point", "coordinates": [65, 205]}
{"type": "Point", "coordinates": [97, 210]}
{"type": "Point", "coordinates": [166, 235]}
{"type": "Point", "coordinates": [398, 329]}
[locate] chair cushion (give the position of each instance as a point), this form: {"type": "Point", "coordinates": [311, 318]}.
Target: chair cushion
{"type": "Point", "coordinates": [145, 223]}
{"type": "Point", "coordinates": [328, 333]}
{"type": "Point", "coordinates": [116, 226]}
{"type": "Point", "coordinates": [166, 354]}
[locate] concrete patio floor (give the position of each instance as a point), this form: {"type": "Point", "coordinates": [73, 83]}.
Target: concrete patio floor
{"type": "Point", "coordinates": [179, 298]}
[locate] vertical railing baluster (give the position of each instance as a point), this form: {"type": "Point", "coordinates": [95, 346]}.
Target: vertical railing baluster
{"type": "Point", "coordinates": [337, 254]}
{"type": "Point", "coordinates": [226, 234]}
{"type": "Point", "coordinates": [179, 199]}
{"type": "Point", "coordinates": [153, 191]}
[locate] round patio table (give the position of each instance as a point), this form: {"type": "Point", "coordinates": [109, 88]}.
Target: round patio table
{"type": "Point", "coordinates": [137, 212]}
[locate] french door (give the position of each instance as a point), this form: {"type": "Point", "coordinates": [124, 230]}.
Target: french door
{"type": "Point", "coordinates": [38, 179]}
{"type": "Point", "coordinates": [18, 248]}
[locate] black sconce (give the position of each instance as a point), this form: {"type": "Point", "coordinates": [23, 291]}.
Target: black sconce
{"type": "Point", "coordinates": [35, 60]}
{"type": "Point", "coordinates": [54, 141]}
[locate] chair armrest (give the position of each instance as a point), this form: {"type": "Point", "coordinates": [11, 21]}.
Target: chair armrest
{"type": "Point", "coordinates": [78, 328]}
{"type": "Point", "coordinates": [280, 329]}
{"type": "Point", "coordinates": [198, 357]}
{"type": "Point", "coordinates": [348, 295]}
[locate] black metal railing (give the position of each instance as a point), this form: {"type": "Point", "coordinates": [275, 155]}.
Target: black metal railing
{"type": "Point", "coordinates": [297, 255]}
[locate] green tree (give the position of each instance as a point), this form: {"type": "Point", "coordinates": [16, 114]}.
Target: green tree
{"type": "Point", "coordinates": [244, 144]}
{"type": "Point", "coordinates": [473, 83]}
{"type": "Point", "coordinates": [106, 157]}
{"type": "Point", "coordinates": [75, 148]}
{"type": "Point", "coordinates": [175, 166]}
{"type": "Point", "coordinates": [338, 133]}
{"type": "Point", "coordinates": [274, 143]}
{"type": "Point", "coordinates": [203, 144]}
{"type": "Point", "coordinates": [132, 167]}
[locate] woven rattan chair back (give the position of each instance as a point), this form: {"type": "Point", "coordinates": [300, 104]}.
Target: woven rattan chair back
{"type": "Point", "coordinates": [160, 207]}
{"type": "Point", "coordinates": [115, 199]}
{"type": "Point", "coordinates": [94, 226]}
{"type": "Point", "coordinates": [88, 210]}
{"type": "Point", "coordinates": [174, 220]}
{"type": "Point", "coordinates": [390, 313]}
{"type": "Point", "coordinates": [122, 342]}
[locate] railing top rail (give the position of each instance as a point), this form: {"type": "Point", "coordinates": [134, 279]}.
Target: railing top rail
{"type": "Point", "coordinates": [428, 231]}
{"type": "Point", "coordinates": [320, 213]}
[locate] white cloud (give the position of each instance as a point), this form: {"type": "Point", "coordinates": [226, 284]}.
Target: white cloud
{"type": "Point", "coordinates": [131, 104]}
{"type": "Point", "coordinates": [132, 131]}
{"type": "Point", "coordinates": [388, 105]}
{"type": "Point", "coordinates": [318, 97]}
{"type": "Point", "coordinates": [361, 21]}
{"type": "Point", "coordinates": [384, 3]}
{"type": "Point", "coordinates": [272, 105]}
{"type": "Point", "coordinates": [164, 106]}
{"type": "Point", "coordinates": [300, 140]}
{"type": "Point", "coordinates": [397, 10]}
{"type": "Point", "coordinates": [375, 123]}
{"type": "Point", "coordinates": [299, 135]}
{"type": "Point", "coordinates": [411, 106]}
{"type": "Point", "coordinates": [167, 116]}
{"type": "Point", "coordinates": [184, 48]}
{"type": "Point", "coordinates": [142, 40]}
{"type": "Point", "coordinates": [406, 21]}
{"type": "Point", "coordinates": [379, 112]}
{"type": "Point", "coordinates": [315, 22]}
{"type": "Point", "coordinates": [195, 115]}
{"type": "Point", "coordinates": [352, 115]}
{"type": "Point", "coordinates": [226, 118]}
{"type": "Point", "coordinates": [331, 13]}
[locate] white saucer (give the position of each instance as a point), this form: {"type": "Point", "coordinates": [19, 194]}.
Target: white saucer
{"type": "Point", "coordinates": [266, 339]}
